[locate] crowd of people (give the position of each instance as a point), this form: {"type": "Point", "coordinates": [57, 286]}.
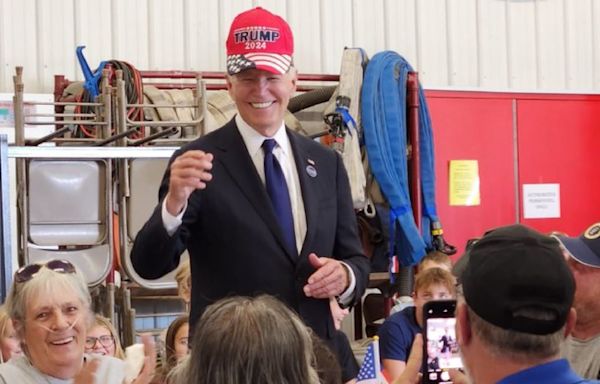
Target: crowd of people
{"type": "Point", "coordinates": [517, 321]}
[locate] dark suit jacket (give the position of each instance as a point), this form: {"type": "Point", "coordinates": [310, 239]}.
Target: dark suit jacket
{"type": "Point", "coordinates": [233, 238]}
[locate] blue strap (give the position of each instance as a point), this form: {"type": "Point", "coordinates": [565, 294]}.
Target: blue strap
{"type": "Point", "coordinates": [343, 110]}
{"type": "Point", "coordinates": [385, 131]}
{"type": "Point", "coordinates": [347, 118]}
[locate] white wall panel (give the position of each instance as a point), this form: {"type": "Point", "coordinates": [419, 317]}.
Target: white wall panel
{"type": "Point", "coordinates": [492, 43]}
{"type": "Point", "coordinates": [19, 42]}
{"type": "Point", "coordinates": [279, 7]}
{"type": "Point", "coordinates": [550, 41]}
{"type": "Point", "coordinates": [401, 29]}
{"type": "Point", "coordinates": [165, 32]}
{"type": "Point", "coordinates": [368, 29]}
{"type": "Point", "coordinates": [304, 16]}
{"type": "Point", "coordinates": [336, 33]}
{"type": "Point", "coordinates": [130, 33]}
{"type": "Point", "coordinates": [522, 49]}
{"type": "Point", "coordinates": [461, 26]}
{"type": "Point", "coordinates": [55, 40]}
{"type": "Point", "coordinates": [529, 45]}
{"type": "Point", "coordinates": [92, 22]}
{"type": "Point", "coordinates": [4, 66]}
{"type": "Point", "coordinates": [579, 47]}
{"type": "Point", "coordinates": [204, 37]}
{"type": "Point", "coordinates": [432, 36]}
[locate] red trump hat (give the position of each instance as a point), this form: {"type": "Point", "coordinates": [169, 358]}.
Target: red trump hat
{"type": "Point", "coordinates": [259, 39]}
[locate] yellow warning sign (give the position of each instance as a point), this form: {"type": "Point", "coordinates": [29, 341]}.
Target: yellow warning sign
{"type": "Point", "coordinates": [463, 185]}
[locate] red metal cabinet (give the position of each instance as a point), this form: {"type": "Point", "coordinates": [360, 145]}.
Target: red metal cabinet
{"type": "Point", "coordinates": [517, 138]}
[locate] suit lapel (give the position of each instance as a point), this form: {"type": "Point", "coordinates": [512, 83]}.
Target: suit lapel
{"type": "Point", "coordinates": [236, 160]}
{"type": "Point", "coordinates": [307, 185]}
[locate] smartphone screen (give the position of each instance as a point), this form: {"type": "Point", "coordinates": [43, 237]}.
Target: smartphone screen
{"type": "Point", "coordinates": [441, 348]}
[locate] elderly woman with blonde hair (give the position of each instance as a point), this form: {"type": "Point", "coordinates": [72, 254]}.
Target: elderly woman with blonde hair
{"type": "Point", "coordinates": [246, 340]}
{"type": "Point", "coordinates": [49, 305]}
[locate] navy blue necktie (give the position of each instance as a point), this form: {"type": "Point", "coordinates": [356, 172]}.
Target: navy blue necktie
{"type": "Point", "coordinates": [279, 194]}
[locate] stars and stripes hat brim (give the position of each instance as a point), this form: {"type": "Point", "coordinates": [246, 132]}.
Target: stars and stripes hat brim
{"type": "Point", "coordinates": [270, 62]}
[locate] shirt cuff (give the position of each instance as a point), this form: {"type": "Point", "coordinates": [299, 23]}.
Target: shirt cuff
{"type": "Point", "coordinates": [170, 222]}
{"type": "Point", "coordinates": [345, 298]}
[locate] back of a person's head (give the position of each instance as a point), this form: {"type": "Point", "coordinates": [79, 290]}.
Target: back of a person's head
{"type": "Point", "coordinates": [251, 340]}
{"type": "Point", "coordinates": [518, 345]}
{"type": "Point", "coordinates": [435, 259]}
{"type": "Point", "coordinates": [519, 292]}
{"type": "Point", "coordinates": [435, 276]}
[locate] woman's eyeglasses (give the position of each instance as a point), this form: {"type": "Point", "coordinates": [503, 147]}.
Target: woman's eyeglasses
{"type": "Point", "coordinates": [27, 272]}
{"type": "Point", "coordinates": [105, 341]}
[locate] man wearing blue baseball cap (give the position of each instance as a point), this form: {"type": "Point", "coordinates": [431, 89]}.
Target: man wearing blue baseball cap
{"type": "Point", "coordinates": [582, 348]}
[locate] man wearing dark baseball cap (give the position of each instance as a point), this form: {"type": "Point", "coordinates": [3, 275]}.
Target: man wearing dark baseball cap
{"type": "Point", "coordinates": [260, 208]}
{"type": "Point", "coordinates": [516, 309]}
{"type": "Point", "coordinates": [582, 348]}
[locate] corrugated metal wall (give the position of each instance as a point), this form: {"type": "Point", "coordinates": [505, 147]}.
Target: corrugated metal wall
{"type": "Point", "coordinates": [533, 45]}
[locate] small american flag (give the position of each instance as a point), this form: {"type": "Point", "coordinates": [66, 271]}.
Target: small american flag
{"type": "Point", "coordinates": [370, 371]}
{"type": "Point", "coordinates": [394, 267]}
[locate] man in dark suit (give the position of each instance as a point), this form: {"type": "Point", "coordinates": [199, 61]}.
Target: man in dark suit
{"type": "Point", "coordinates": [218, 198]}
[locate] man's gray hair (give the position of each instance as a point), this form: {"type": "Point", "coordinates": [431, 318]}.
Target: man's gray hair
{"type": "Point", "coordinates": [518, 346]}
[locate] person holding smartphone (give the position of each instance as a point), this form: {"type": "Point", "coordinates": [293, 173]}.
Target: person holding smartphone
{"type": "Point", "coordinates": [398, 331]}
{"type": "Point", "coordinates": [441, 350]}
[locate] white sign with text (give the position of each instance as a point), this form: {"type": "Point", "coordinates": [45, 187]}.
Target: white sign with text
{"type": "Point", "coordinates": [541, 201]}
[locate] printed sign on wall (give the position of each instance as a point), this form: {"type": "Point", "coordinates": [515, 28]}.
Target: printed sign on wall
{"type": "Point", "coordinates": [541, 201]}
{"type": "Point", "coordinates": [464, 182]}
